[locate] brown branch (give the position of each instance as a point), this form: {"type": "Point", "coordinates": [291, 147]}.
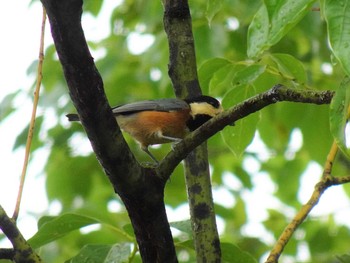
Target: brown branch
{"type": "Point", "coordinates": [22, 251]}
{"type": "Point", "coordinates": [276, 94]}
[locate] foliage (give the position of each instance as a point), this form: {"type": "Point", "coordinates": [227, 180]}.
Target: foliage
{"type": "Point", "coordinates": [243, 48]}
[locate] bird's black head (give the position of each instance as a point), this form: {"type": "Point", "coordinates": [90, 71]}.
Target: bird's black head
{"type": "Point", "coordinates": [203, 108]}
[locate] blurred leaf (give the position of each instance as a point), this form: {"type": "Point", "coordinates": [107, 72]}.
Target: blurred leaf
{"type": "Point", "coordinates": [337, 15]}
{"type": "Point", "coordinates": [21, 139]}
{"type": "Point", "coordinates": [6, 105]}
{"type": "Point", "coordinates": [92, 6]}
{"type": "Point", "coordinates": [272, 21]}
{"type": "Point", "coordinates": [238, 137]}
{"type": "Point", "coordinates": [129, 229]}
{"type": "Point", "coordinates": [184, 226]}
{"type": "Point", "coordinates": [213, 7]}
{"type": "Point", "coordinates": [344, 258]}
{"type": "Point", "coordinates": [339, 113]}
{"type": "Point", "coordinates": [233, 254]}
{"type": "Point", "coordinates": [54, 228]}
{"type": "Point", "coordinates": [64, 186]}
{"type": "Point", "coordinates": [118, 253]}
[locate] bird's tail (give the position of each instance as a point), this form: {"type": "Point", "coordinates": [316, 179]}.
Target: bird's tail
{"type": "Point", "coordinates": [73, 117]}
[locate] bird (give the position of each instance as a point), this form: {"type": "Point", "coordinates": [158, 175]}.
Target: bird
{"type": "Point", "coordinates": [161, 121]}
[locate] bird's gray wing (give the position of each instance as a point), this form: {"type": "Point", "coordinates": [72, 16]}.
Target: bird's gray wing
{"type": "Point", "coordinates": [151, 105]}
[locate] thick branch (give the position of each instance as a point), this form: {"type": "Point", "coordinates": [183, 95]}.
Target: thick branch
{"type": "Point", "coordinates": [87, 92]}
{"type": "Point", "coordinates": [182, 57]}
{"type": "Point", "coordinates": [237, 112]}
{"type": "Point", "coordinates": [141, 192]}
{"type": "Point", "coordinates": [22, 251]}
{"type": "Point", "coordinates": [183, 73]}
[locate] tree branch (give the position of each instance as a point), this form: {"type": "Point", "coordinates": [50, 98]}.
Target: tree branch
{"type": "Point", "coordinates": [326, 182]}
{"type": "Point", "coordinates": [22, 251]}
{"type": "Point", "coordinates": [182, 57]}
{"type": "Point", "coordinates": [7, 253]}
{"type": "Point", "coordinates": [183, 73]}
{"type": "Point", "coordinates": [276, 94]}
{"type": "Point", "coordinates": [141, 191]}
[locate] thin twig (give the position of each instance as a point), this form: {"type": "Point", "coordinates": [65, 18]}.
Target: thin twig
{"type": "Point", "coordinates": [32, 121]}
{"type": "Point", "coordinates": [326, 181]}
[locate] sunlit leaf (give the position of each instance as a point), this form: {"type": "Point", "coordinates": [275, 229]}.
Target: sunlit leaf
{"type": "Point", "coordinates": [258, 33]}
{"type": "Point", "coordinates": [284, 16]}
{"type": "Point", "coordinates": [273, 21]}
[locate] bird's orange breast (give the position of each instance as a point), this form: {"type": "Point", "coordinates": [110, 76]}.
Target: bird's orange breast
{"type": "Point", "coordinates": [146, 126]}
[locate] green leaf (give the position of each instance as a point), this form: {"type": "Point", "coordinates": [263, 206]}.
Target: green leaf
{"type": "Point", "coordinates": [21, 139]}
{"type": "Point", "coordinates": [258, 33]}
{"type": "Point", "coordinates": [53, 228]}
{"type": "Point", "coordinates": [272, 21]}
{"type": "Point", "coordinates": [222, 80]}
{"type": "Point", "coordinates": [92, 6]}
{"type": "Point", "coordinates": [285, 15]}
{"type": "Point", "coordinates": [290, 67]}
{"type": "Point", "coordinates": [339, 113]}
{"type": "Point", "coordinates": [213, 7]}
{"type": "Point", "coordinates": [238, 137]}
{"type": "Point", "coordinates": [233, 254]}
{"type": "Point", "coordinates": [344, 258]}
{"type": "Point", "coordinates": [207, 70]}
{"type": "Point", "coordinates": [248, 74]}
{"type": "Point", "coordinates": [337, 15]}
{"type": "Point", "coordinates": [6, 105]}
{"type": "Point", "coordinates": [117, 253]}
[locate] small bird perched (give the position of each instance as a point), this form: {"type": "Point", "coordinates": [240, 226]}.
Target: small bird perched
{"type": "Point", "coordinates": [162, 121]}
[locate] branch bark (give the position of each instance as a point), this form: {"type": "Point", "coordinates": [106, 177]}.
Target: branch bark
{"type": "Point", "coordinates": [22, 251]}
{"type": "Point", "coordinates": [140, 190]}
{"type": "Point", "coordinates": [276, 94]}
{"type": "Point", "coordinates": [183, 73]}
